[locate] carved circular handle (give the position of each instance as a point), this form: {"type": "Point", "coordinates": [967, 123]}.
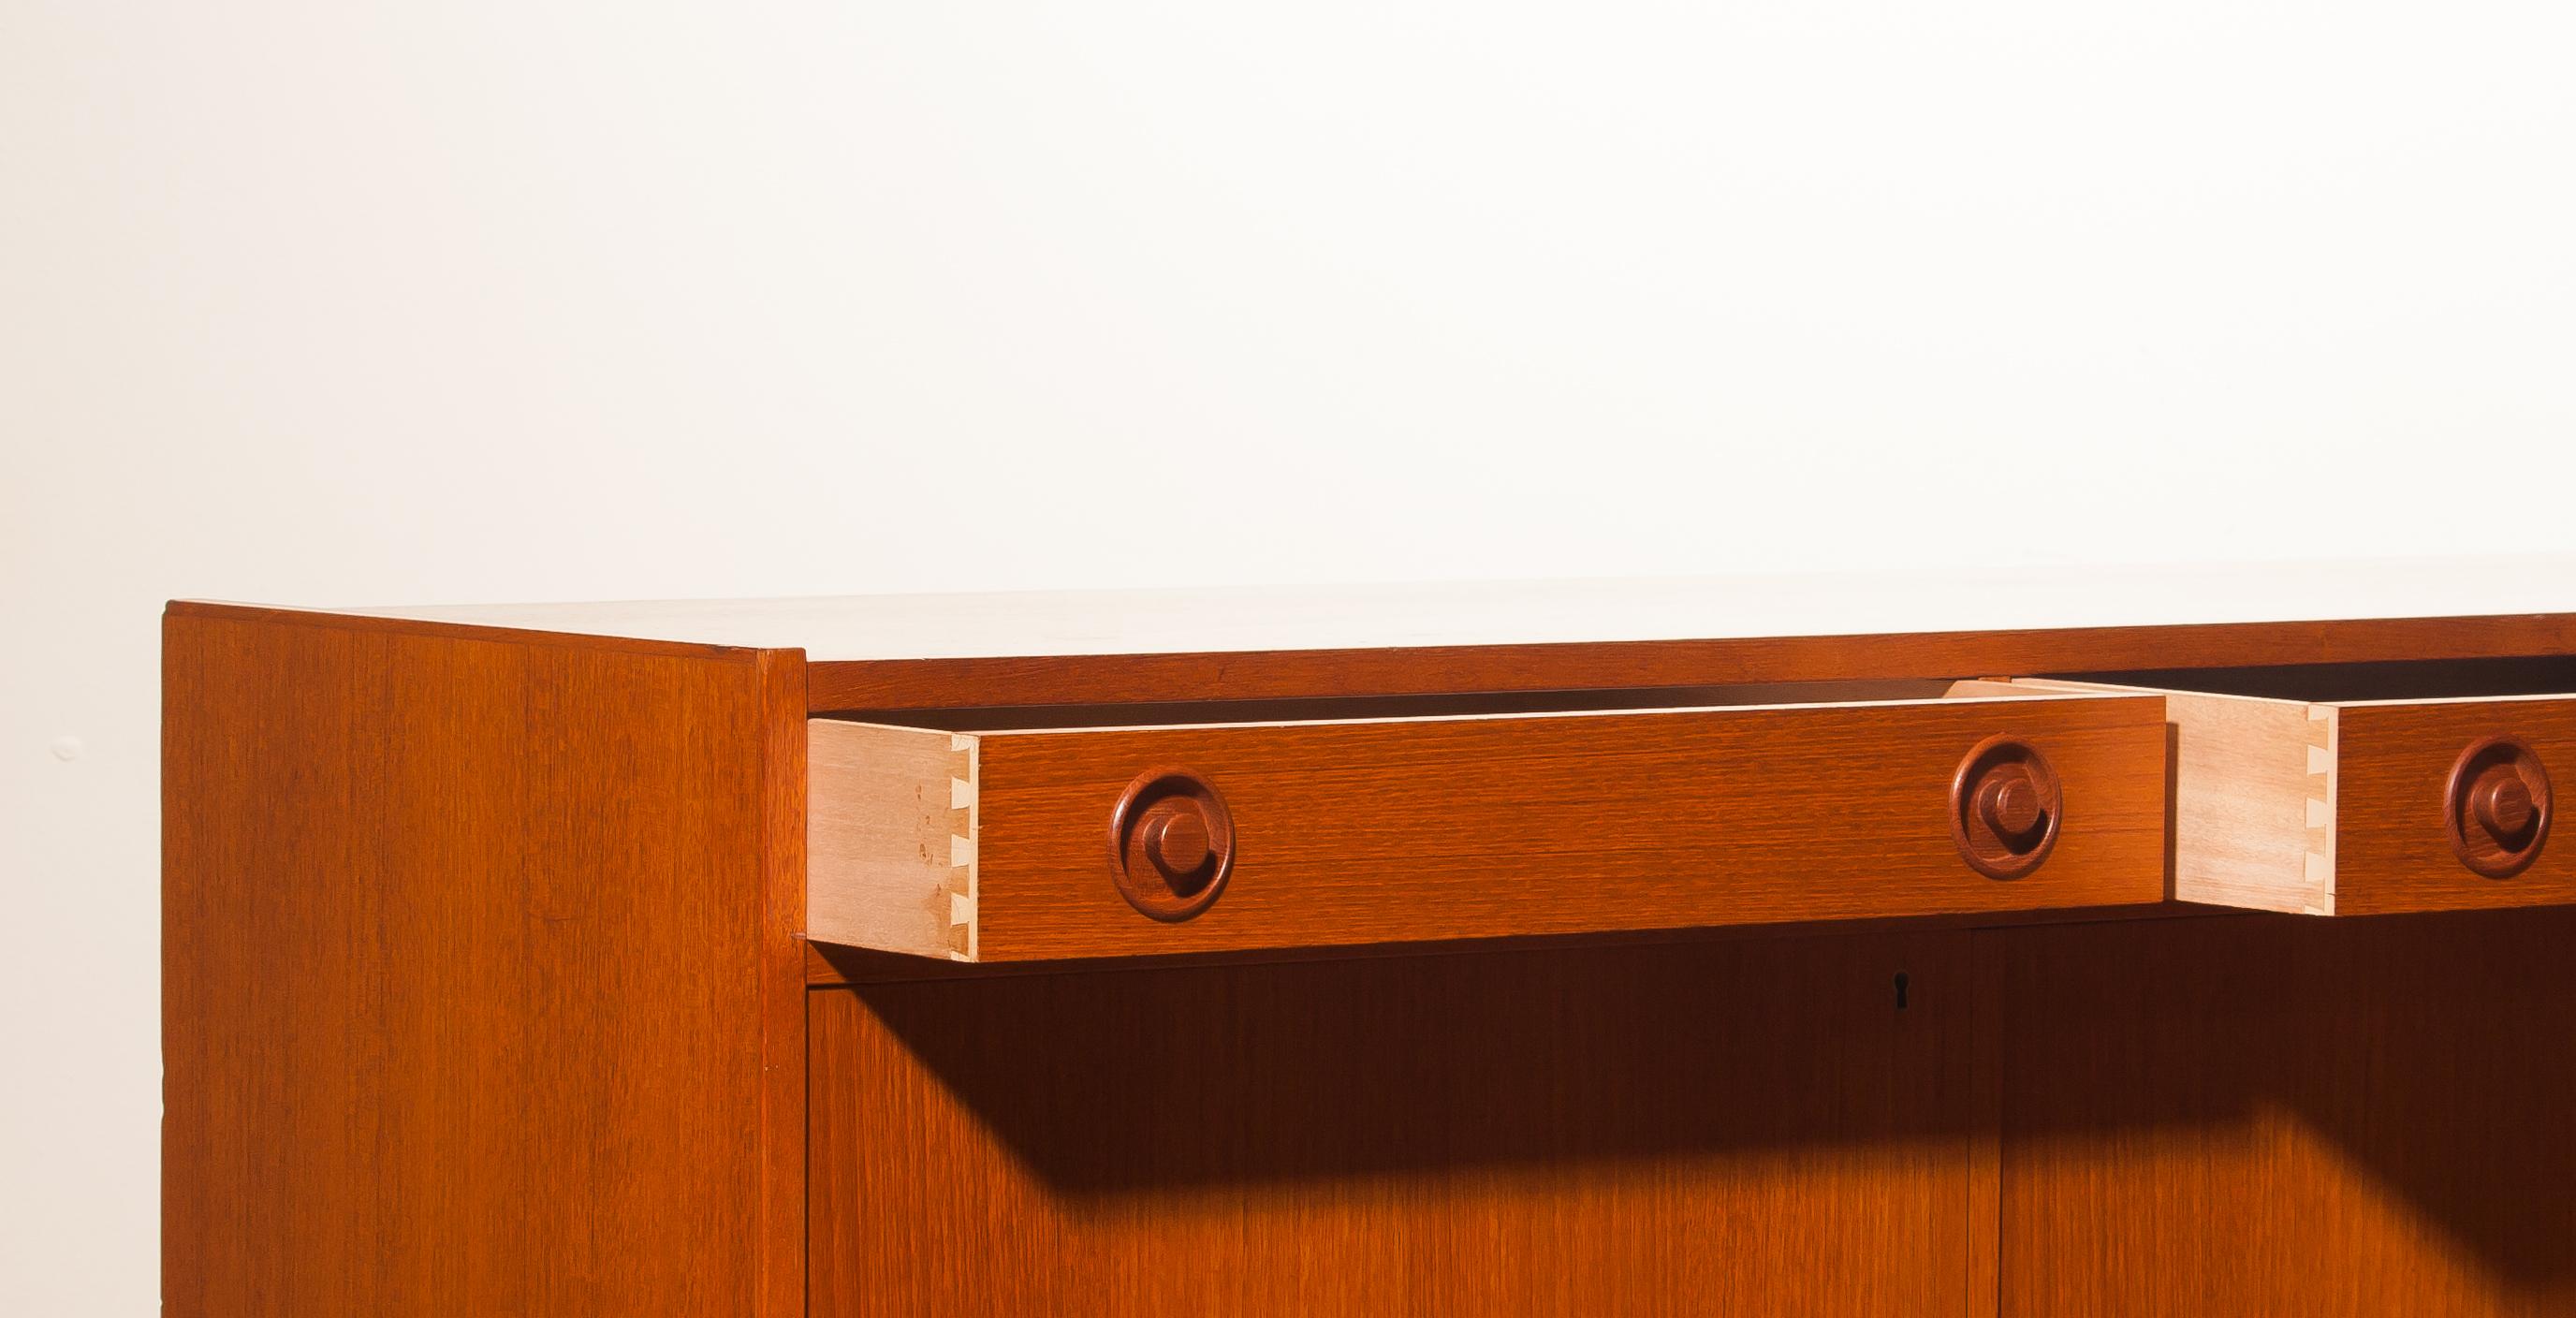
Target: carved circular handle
{"type": "Point", "coordinates": [2005, 803]}
{"type": "Point", "coordinates": [2498, 807]}
{"type": "Point", "coordinates": [1171, 844]}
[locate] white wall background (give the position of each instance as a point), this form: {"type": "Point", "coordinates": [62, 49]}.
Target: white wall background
{"type": "Point", "coordinates": [340, 302]}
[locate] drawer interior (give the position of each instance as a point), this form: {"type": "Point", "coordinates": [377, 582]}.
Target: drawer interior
{"type": "Point", "coordinates": [2311, 683]}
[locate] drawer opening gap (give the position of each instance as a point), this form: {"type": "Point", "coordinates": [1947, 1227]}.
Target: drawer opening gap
{"type": "Point", "coordinates": [2534, 675]}
{"type": "Point", "coordinates": [1177, 713]}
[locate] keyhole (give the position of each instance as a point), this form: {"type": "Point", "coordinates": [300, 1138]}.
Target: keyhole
{"type": "Point", "coordinates": [1900, 990]}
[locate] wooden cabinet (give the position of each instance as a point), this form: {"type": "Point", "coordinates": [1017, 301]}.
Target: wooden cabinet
{"type": "Point", "coordinates": [1160, 954]}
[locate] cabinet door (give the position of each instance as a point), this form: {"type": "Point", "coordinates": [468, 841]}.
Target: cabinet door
{"type": "Point", "coordinates": [1746, 1125]}
{"type": "Point", "coordinates": [2278, 1115]}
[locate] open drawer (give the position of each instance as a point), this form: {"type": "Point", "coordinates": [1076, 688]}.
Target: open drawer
{"type": "Point", "coordinates": [1200, 834]}
{"type": "Point", "coordinates": [2366, 789]}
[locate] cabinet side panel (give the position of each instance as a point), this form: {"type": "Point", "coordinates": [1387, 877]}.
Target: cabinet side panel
{"type": "Point", "coordinates": [466, 960]}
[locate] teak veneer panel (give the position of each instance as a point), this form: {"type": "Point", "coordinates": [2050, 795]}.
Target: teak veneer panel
{"type": "Point", "coordinates": [1750, 1127]}
{"type": "Point", "coordinates": [1421, 829]}
{"type": "Point", "coordinates": [2393, 762]}
{"type": "Point", "coordinates": [481, 992]}
{"type": "Point", "coordinates": [2276, 1115]}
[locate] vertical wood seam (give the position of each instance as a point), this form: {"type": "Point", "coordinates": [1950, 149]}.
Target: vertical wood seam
{"type": "Point", "coordinates": [1984, 1268]}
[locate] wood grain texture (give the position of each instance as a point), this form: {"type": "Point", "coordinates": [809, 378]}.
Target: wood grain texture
{"type": "Point", "coordinates": [1745, 1127]}
{"type": "Point", "coordinates": [891, 838]}
{"type": "Point", "coordinates": [482, 994]}
{"type": "Point", "coordinates": [778, 1214]}
{"type": "Point", "coordinates": [2253, 798]}
{"type": "Point", "coordinates": [1983, 1059]}
{"type": "Point", "coordinates": [2339, 808]}
{"type": "Point", "coordinates": [1353, 833]}
{"type": "Point", "coordinates": [480, 987]}
{"type": "Point", "coordinates": [2273, 1115]}
{"type": "Point", "coordinates": [2393, 851]}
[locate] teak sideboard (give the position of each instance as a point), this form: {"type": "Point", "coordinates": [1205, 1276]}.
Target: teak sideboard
{"type": "Point", "coordinates": [1578, 948]}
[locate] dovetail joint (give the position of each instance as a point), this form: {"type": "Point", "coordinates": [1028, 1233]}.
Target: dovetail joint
{"type": "Point", "coordinates": [2321, 749]}
{"type": "Point", "coordinates": [963, 833]}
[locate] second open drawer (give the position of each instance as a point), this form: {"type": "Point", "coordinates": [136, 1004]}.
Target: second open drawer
{"type": "Point", "coordinates": [2362, 801]}
{"type": "Point", "coordinates": [1206, 836]}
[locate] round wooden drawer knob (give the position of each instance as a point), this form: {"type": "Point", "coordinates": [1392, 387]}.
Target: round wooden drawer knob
{"type": "Point", "coordinates": [2005, 803]}
{"type": "Point", "coordinates": [1176, 837]}
{"type": "Point", "coordinates": [2009, 806]}
{"type": "Point", "coordinates": [1171, 844]}
{"type": "Point", "coordinates": [2498, 809]}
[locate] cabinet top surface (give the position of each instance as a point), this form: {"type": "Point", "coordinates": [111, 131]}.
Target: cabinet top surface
{"type": "Point", "coordinates": [1184, 621]}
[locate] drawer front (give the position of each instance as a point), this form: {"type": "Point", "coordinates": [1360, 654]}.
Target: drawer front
{"type": "Point", "coordinates": [2448, 804]}
{"type": "Point", "coordinates": [1000, 846]}
{"type": "Point", "coordinates": [2367, 807]}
